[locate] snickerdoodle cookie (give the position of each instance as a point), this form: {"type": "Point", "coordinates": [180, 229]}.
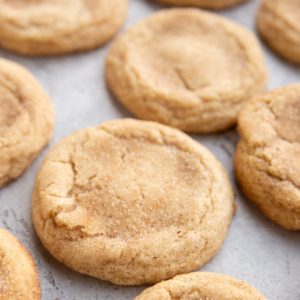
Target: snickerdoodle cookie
{"type": "Point", "coordinates": [132, 202]}
{"type": "Point", "coordinates": [47, 27]}
{"type": "Point", "coordinates": [212, 4]}
{"type": "Point", "coordinates": [278, 23]}
{"type": "Point", "coordinates": [26, 120]}
{"type": "Point", "coordinates": [186, 68]}
{"type": "Point", "coordinates": [201, 285]}
{"type": "Point", "coordinates": [267, 159]}
{"type": "Point", "coordinates": [19, 279]}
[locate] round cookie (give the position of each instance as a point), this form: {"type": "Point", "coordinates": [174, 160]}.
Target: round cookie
{"type": "Point", "coordinates": [51, 27]}
{"type": "Point", "coordinates": [132, 202]}
{"type": "Point", "coordinates": [267, 160]}
{"type": "Point", "coordinates": [26, 120]}
{"type": "Point", "coordinates": [19, 279]}
{"type": "Point", "coordinates": [211, 4]}
{"type": "Point", "coordinates": [201, 285]}
{"type": "Point", "coordinates": [278, 23]}
{"type": "Point", "coordinates": [186, 68]}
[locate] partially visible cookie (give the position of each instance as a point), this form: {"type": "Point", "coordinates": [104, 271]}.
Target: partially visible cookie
{"type": "Point", "coordinates": [201, 285]}
{"type": "Point", "coordinates": [132, 202]}
{"type": "Point", "coordinates": [278, 23]}
{"type": "Point", "coordinates": [50, 27]}
{"type": "Point", "coordinates": [186, 68]}
{"type": "Point", "coordinates": [26, 120]}
{"type": "Point", "coordinates": [19, 279]}
{"type": "Point", "coordinates": [267, 160]}
{"type": "Point", "coordinates": [211, 4]}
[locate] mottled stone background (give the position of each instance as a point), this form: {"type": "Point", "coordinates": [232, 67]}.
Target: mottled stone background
{"type": "Point", "coordinates": [256, 250]}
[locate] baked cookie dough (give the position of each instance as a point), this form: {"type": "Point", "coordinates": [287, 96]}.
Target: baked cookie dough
{"type": "Point", "coordinates": [267, 160]}
{"type": "Point", "coordinates": [278, 23]}
{"type": "Point", "coordinates": [26, 120]}
{"type": "Point", "coordinates": [19, 279]}
{"type": "Point", "coordinates": [211, 4]}
{"type": "Point", "coordinates": [201, 285]}
{"type": "Point", "coordinates": [49, 27]}
{"type": "Point", "coordinates": [132, 202]}
{"type": "Point", "coordinates": [186, 68]}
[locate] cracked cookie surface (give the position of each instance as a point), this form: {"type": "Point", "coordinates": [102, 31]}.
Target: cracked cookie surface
{"type": "Point", "coordinates": [211, 4]}
{"type": "Point", "coordinates": [51, 27]}
{"type": "Point", "coordinates": [19, 279]}
{"type": "Point", "coordinates": [132, 202]}
{"type": "Point", "coordinates": [278, 23]}
{"type": "Point", "coordinates": [201, 286]}
{"type": "Point", "coordinates": [267, 159]}
{"type": "Point", "coordinates": [26, 120]}
{"type": "Point", "coordinates": [186, 68]}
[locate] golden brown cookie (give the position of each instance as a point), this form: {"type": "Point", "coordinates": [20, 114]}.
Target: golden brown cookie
{"type": "Point", "coordinates": [186, 68]}
{"type": "Point", "coordinates": [278, 23]}
{"type": "Point", "coordinates": [132, 202]}
{"type": "Point", "coordinates": [211, 4]}
{"type": "Point", "coordinates": [19, 279]}
{"type": "Point", "coordinates": [48, 27]}
{"type": "Point", "coordinates": [201, 286]}
{"type": "Point", "coordinates": [267, 159]}
{"type": "Point", "coordinates": [26, 120]}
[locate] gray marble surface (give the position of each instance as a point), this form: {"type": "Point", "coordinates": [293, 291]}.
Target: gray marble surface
{"type": "Point", "coordinates": [256, 250]}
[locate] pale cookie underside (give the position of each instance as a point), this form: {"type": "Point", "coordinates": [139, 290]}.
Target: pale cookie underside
{"type": "Point", "coordinates": [26, 120]}
{"type": "Point", "coordinates": [186, 68]}
{"type": "Point", "coordinates": [204, 286]}
{"type": "Point", "coordinates": [278, 23]}
{"type": "Point", "coordinates": [55, 27]}
{"type": "Point", "coordinates": [268, 157]}
{"type": "Point", "coordinates": [105, 196]}
{"type": "Point", "coordinates": [19, 278]}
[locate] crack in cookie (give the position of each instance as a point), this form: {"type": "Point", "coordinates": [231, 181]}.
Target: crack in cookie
{"type": "Point", "coordinates": [149, 201]}
{"type": "Point", "coordinates": [52, 27]}
{"type": "Point", "coordinates": [268, 155]}
{"type": "Point", "coordinates": [26, 120]}
{"type": "Point", "coordinates": [186, 68]}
